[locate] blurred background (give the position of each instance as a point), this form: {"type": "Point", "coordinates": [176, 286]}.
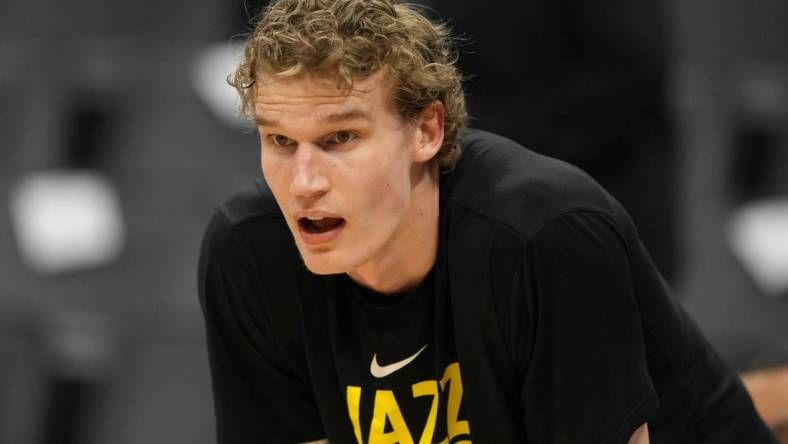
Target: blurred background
{"type": "Point", "coordinates": [118, 136]}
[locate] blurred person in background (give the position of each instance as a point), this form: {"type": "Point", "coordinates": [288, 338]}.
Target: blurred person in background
{"type": "Point", "coordinates": [377, 286]}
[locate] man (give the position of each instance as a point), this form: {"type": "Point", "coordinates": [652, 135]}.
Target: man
{"type": "Point", "coordinates": [378, 287]}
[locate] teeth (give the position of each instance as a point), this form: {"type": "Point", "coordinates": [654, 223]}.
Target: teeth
{"type": "Point", "coordinates": [314, 217]}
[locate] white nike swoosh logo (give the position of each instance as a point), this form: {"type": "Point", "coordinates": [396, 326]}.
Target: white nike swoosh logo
{"type": "Point", "coordinates": [379, 371]}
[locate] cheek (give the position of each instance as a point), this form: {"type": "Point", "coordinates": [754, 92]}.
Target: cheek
{"type": "Point", "coordinates": [386, 188]}
{"type": "Point", "coordinates": [275, 175]}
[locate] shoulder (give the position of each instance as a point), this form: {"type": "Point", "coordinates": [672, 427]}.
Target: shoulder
{"type": "Point", "coordinates": [255, 201]}
{"type": "Point", "coordinates": [520, 213]}
{"type": "Point", "coordinates": [249, 216]}
{"type": "Point", "coordinates": [249, 269]}
{"type": "Point", "coordinates": [510, 185]}
{"type": "Point", "coordinates": [247, 232]}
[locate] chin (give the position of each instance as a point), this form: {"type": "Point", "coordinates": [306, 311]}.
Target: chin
{"type": "Point", "coordinates": [321, 268]}
{"type": "Point", "coordinates": [324, 263]}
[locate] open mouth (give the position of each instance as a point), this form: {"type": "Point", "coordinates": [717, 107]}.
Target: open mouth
{"type": "Point", "coordinates": [317, 225]}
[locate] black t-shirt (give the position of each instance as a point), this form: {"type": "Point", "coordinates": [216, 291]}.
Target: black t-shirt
{"type": "Point", "coordinates": [543, 320]}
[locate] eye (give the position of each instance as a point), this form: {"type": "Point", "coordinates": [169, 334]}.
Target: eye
{"type": "Point", "coordinates": [280, 140]}
{"type": "Point", "coordinates": [341, 137]}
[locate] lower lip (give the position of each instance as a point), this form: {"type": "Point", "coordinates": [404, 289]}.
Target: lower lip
{"type": "Point", "coordinates": [310, 238]}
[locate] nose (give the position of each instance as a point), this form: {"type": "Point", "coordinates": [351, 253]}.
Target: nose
{"type": "Point", "coordinates": [309, 180]}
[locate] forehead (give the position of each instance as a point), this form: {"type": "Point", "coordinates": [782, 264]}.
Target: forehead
{"type": "Point", "coordinates": [313, 95]}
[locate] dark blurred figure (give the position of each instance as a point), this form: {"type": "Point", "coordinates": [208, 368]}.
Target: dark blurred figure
{"type": "Point", "coordinates": [584, 82]}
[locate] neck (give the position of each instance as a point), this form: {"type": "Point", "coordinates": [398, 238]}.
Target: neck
{"type": "Point", "coordinates": [412, 251]}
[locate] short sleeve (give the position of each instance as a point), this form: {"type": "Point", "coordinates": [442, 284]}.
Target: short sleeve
{"type": "Point", "coordinates": [586, 377]}
{"type": "Point", "coordinates": [259, 396]}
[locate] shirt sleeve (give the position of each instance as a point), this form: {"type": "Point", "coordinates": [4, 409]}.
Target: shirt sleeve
{"type": "Point", "coordinates": [259, 396]}
{"type": "Point", "coordinates": [586, 377]}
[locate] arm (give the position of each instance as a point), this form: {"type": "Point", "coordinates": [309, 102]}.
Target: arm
{"type": "Point", "coordinates": [769, 391]}
{"type": "Point", "coordinates": [585, 372]}
{"type": "Point", "coordinates": [640, 436]}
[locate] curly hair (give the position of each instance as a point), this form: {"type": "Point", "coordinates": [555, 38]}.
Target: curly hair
{"type": "Point", "coordinates": [353, 39]}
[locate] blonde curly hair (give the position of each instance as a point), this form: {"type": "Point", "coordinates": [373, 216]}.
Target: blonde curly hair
{"type": "Point", "coordinates": [353, 39]}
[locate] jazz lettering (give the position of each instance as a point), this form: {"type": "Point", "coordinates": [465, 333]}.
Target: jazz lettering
{"type": "Point", "coordinates": [388, 424]}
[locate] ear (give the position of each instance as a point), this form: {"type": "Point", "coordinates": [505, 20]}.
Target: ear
{"type": "Point", "coordinates": [429, 132]}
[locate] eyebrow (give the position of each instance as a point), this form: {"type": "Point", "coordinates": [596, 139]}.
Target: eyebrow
{"type": "Point", "coordinates": [343, 116]}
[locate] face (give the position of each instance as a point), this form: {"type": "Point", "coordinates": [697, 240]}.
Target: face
{"type": "Point", "coordinates": [340, 166]}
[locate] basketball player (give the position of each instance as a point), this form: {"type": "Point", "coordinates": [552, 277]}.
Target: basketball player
{"type": "Point", "coordinates": [396, 278]}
